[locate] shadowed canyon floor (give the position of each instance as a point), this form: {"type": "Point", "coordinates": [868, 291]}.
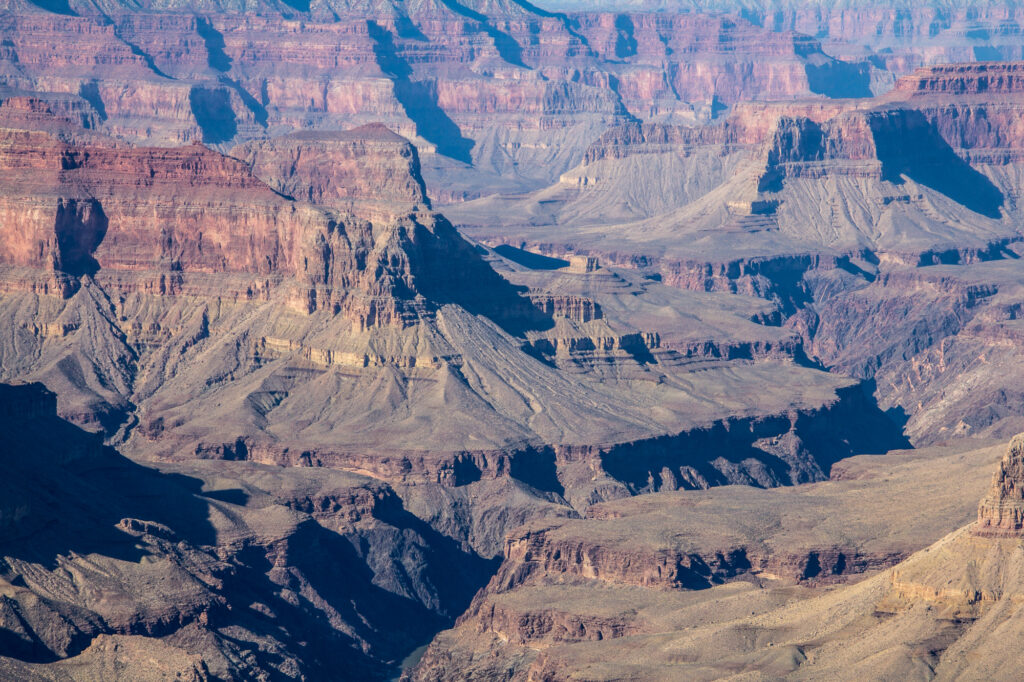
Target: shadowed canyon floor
{"type": "Point", "coordinates": [620, 341]}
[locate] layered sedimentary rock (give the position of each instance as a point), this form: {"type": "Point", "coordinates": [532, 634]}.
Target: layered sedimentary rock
{"type": "Point", "coordinates": [218, 258]}
{"type": "Point", "coordinates": [711, 576]}
{"type": "Point", "coordinates": [367, 164]}
{"type": "Point", "coordinates": [177, 302]}
{"type": "Point", "coordinates": [180, 306]}
{"type": "Point", "coordinates": [902, 37]}
{"type": "Point", "coordinates": [117, 570]}
{"type": "Point", "coordinates": [473, 84]}
{"type": "Point", "coordinates": [942, 612]}
{"type": "Point", "coordinates": [833, 209]}
{"type": "Point", "coordinates": [1001, 511]}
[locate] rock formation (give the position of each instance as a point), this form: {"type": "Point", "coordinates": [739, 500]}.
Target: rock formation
{"type": "Point", "coordinates": [832, 209]}
{"type": "Point", "coordinates": [195, 572]}
{"type": "Point", "coordinates": [383, 303]}
{"type": "Point", "coordinates": [751, 576]}
{"type": "Point", "coordinates": [1001, 511]}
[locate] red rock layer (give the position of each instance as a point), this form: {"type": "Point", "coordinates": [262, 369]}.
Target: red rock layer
{"type": "Point", "coordinates": [430, 69]}
{"type": "Point", "coordinates": [175, 220]}
{"type": "Point", "coordinates": [368, 164]}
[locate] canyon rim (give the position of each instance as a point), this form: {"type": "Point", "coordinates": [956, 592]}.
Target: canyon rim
{"type": "Point", "coordinates": [433, 340]}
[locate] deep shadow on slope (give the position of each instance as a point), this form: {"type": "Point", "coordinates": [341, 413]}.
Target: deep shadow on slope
{"type": "Point", "coordinates": [213, 39]}
{"type": "Point", "coordinates": [304, 598]}
{"type": "Point", "coordinates": [831, 77]}
{"type": "Point", "coordinates": [448, 269]}
{"type": "Point", "coordinates": [907, 143]}
{"type": "Point", "coordinates": [528, 259]}
{"type": "Point", "coordinates": [55, 6]}
{"type": "Point", "coordinates": [212, 110]}
{"type": "Point", "coordinates": [419, 99]}
{"type": "Point", "coordinates": [800, 447]}
{"type": "Point", "coordinates": [507, 47]}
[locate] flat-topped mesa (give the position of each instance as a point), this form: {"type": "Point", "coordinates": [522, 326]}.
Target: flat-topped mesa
{"type": "Point", "coordinates": [750, 125]}
{"type": "Point", "coordinates": [803, 147]}
{"type": "Point", "coordinates": [189, 220]}
{"type": "Point", "coordinates": [1001, 511]}
{"type": "Point", "coordinates": [984, 78]}
{"type": "Point", "coordinates": [369, 166]}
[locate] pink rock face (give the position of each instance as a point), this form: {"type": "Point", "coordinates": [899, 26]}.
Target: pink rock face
{"type": "Point", "coordinates": [475, 87]}
{"type": "Point", "coordinates": [152, 218]}
{"type": "Point", "coordinates": [368, 164]}
{"type": "Point", "coordinates": [1001, 512]}
{"type": "Point", "coordinates": [990, 78]}
{"type": "Point", "coordinates": [129, 208]}
{"type": "Point", "coordinates": [189, 220]}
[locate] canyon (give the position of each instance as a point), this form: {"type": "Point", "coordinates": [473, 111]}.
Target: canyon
{"type": "Point", "coordinates": [436, 340]}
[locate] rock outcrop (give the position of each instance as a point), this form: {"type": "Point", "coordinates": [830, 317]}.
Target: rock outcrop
{"type": "Point", "coordinates": [834, 209]}
{"type": "Point", "coordinates": [206, 572]}
{"type": "Point", "coordinates": [709, 253]}
{"type": "Point", "coordinates": [1001, 511]}
{"type": "Point", "coordinates": [688, 570]}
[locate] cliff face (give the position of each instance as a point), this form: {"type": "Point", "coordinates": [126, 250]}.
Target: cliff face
{"type": "Point", "coordinates": [692, 568]}
{"type": "Point", "coordinates": [834, 209]}
{"type": "Point", "coordinates": [188, 310]}
{"type": "Point", "coordinates": [1001, 511]}
{"type": "Point", "coordinates": [474, 86]}
{"type": "Point", "coordinates": [166, 220]}
{"type": "Point", "coordinates": [367, 164]}
{"type": "Point", "coordinates": [220, 254]}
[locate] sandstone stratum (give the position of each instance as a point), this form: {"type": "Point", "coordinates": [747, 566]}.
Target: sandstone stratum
{"type": "Point", "coordinates": [491, 340]}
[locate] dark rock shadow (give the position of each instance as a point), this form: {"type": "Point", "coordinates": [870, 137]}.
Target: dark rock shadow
{"type": "Point", "coordinates": [455, 574]}
{"type": "Point", "coordinates": [507, 47]}
{"type": "Point", "coordinates": [448, 269]}
{"type": "Point", "coordinates": [419, 99]}
{"type": "Point", "coordinates": [832, 77]}
{"type": "Point", "coordinates": [907, 143]}
{"type": "Point", "coordinates": [140, 53]}
{"type": "Point", "coordinates": [537, 468]}
{"type": "Point", "coordinates": [213, 113]}
{"type": "Point", "coordinates": [528, 259]}
{"type": "Point", "coordinates": [80, 226]}
{"type": "Point", "coordinates": [77, 491]}
{"type": "Point", "coordinates": [55, 6]}
{"type": "Point", "coordinates": [216, 57]}
{"type": "Point", "coordinates": [90, 92]}
{"type": "Point", "coordinates": [259, 111]}
{"type": "Point", "coordinates": [732, 451]}
{"type": "Point", "coordinates": [568, 23]}
{"type": "Point", "coordinates": [393, 581]}
{"type": "Point", "coordinates": [625, 40]}
{"type": "Point", "coordinates": [231, 496]}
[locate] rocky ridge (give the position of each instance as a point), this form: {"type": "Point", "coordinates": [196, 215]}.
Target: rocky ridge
{"type": "Point", "coordinates": [999, 513]}
{"type": "Point", "coordinates": [681, 572]}
{"type": "Point", "coordinates": [834, 210]}
{"type": "Point", "coordinates": [196, 572]}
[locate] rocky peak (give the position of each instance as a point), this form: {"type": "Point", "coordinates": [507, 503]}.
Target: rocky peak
{"type": "Point", "coordinates": [1001, 511]}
